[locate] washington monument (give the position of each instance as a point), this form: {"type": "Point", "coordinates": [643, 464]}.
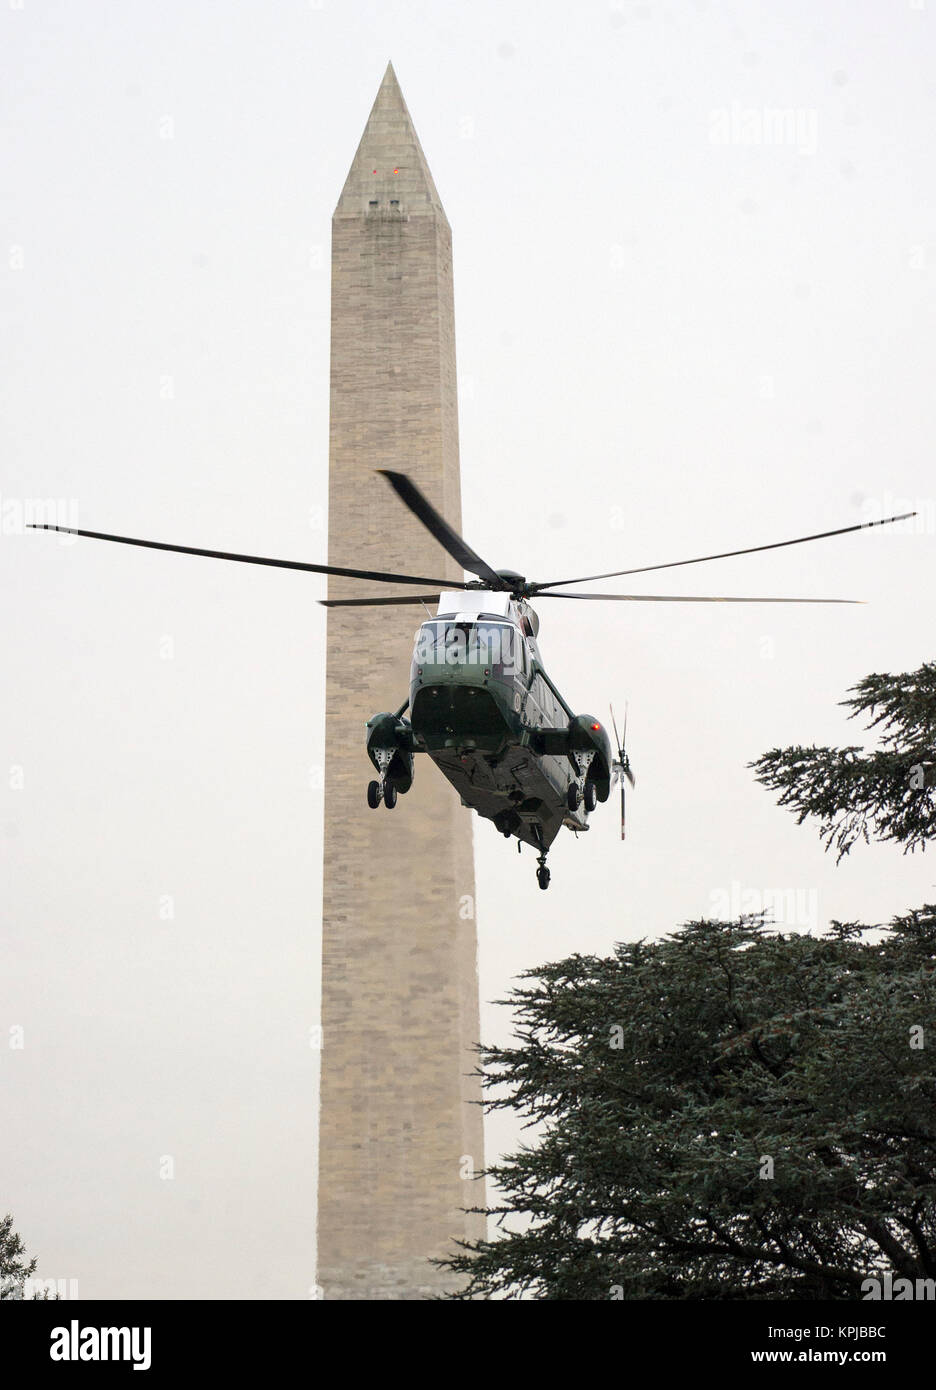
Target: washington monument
{"type": "Point", "coordinates": [399, 1135]}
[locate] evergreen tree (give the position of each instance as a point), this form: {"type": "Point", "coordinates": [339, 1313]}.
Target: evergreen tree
{"type": "Point", "coordinates": [726, 1113]}
{"type": "Point", "coordinates": [15, 1269]}
{"type": "Point", "coordinates": [886, 793]}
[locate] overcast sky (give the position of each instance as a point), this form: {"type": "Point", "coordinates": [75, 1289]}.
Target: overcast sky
{"type": "Point", "coordinates": [685, 323]}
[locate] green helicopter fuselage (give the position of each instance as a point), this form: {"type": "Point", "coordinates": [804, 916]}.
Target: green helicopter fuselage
{"type": "Point", "coordinates": [484, 710]}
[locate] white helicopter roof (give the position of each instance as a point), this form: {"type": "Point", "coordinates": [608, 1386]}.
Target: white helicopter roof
{"type": "Point", "coordinates": [472, 603]}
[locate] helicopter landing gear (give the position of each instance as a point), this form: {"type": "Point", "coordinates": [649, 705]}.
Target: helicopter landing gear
{"type": "Point", "coordinates": [542, 873]}
{"type": "Point", "coordinates": [387, 793]}
{"type": "Point", "coordinates": [582, 788]}
{"type": "Point", "coordinates": [576, 795]}
{"type": "Point", "coordinates": [383, 790]}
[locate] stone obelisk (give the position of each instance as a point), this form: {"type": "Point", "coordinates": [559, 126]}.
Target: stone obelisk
{"type": "Point", "coordinates": [401, 1130]}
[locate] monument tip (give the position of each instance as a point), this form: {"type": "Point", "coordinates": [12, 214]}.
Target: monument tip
{"type": "Point", "coordinates": [389, 172]}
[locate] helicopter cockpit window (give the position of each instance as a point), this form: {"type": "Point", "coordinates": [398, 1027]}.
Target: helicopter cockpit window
{"type": "Point", "coordinates": [498, 647]}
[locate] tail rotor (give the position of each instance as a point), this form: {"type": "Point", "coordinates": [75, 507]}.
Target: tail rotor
{"type": "Point", "coordinates": [622, 768]}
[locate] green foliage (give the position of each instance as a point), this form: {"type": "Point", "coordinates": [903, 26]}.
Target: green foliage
{"type": "Point", "coordinates": [728, 1112]}
{"type": "Point", "coordinates": [15, 1269]}
{"type": "Point", "coordinates": [884, 794]}
{"type": "Point", "coordinates": [725, 1113]}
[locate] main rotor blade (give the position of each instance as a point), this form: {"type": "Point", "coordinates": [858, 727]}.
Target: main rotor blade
{"type": "Point", "coordinates": [420, 506]}
{"type": "Point", "coordinates": [377, 602]}
{"type": "Point", "coordinates": [689, 598]}
{"type": "Point", "coordinates": [618, 744]}
{"type": "Point", "coordinates": [726, 554]}
{"type": "Point", "coordinates": [377, 575]}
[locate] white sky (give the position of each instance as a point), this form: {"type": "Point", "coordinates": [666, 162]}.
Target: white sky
{"type": "Point", "coordinates": [669, 343]}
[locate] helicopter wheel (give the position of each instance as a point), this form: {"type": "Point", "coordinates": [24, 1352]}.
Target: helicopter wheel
{"type": "Point", "coordinates": [573, 796]}
{"type": "Point", "coordinates": [390, 796]}
{"type": "Point", "coordinates": [373, 795]}
{"type": "Point", "coordinates": [591, 796]}
{"type": "Point", "coordinates": [542, 876]}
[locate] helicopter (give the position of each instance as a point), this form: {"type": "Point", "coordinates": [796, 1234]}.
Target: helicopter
{"type": "Point", "coordinates": [481, 704]}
